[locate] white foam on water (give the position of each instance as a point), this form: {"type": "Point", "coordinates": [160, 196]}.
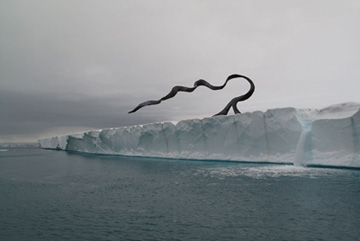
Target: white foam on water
{"type": "Point", "coordinates": [261, 172]}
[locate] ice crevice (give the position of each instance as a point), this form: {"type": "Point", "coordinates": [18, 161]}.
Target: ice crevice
{"type": "Point", "coordinates": [266, 137]}
{"type": "Point", "coordinates": [355, 135]}
{"type": "Point", "coordinates": [329, 136]}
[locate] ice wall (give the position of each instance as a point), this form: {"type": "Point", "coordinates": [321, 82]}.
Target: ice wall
{"type": "Point", "coordinates": [288, 135]}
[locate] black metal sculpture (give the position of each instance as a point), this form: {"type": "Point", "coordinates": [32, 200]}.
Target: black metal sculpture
{"type": "Point", "coordinates": [200, 82]}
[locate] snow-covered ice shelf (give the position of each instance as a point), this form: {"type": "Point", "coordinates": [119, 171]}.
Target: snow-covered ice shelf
{"type": "Point", "coordinates": [330, 136]}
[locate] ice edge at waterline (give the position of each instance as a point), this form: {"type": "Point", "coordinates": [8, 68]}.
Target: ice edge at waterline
{"type": "Point", "coordinates": [326, 137]}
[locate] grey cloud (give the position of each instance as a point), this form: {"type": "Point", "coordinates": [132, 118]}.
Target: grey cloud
{"type": "Point", "coordinates": [22, 113]}
{"type": "Point", "coordinates": [86, 63]}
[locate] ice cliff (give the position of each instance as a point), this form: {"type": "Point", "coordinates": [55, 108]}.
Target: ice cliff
{"type": "Point", "coordinates": [330, 136]}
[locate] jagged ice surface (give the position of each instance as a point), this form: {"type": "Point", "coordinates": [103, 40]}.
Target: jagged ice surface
{"type": "Point", "coordinates": [301, 136]}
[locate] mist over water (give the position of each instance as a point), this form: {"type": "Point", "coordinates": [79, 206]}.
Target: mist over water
{"type": "Point", "coordinates": [55, 195]}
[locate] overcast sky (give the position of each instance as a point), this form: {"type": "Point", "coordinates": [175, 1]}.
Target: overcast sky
{"type": "Point", "coordinates": [68, 66]}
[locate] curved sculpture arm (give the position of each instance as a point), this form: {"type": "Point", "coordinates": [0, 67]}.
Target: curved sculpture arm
{"type": "Point", "coordinates": [202, 82]}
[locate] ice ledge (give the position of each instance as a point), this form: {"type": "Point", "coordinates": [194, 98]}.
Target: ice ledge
{"type": "Point", "coordinates": [301, 136]}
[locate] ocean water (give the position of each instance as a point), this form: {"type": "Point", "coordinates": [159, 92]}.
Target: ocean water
{"type": "Point", "coordinates": [56, 195]}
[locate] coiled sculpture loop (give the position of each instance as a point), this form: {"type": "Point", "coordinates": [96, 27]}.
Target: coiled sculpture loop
{"type": "Point", "coordinates": [200, 82]}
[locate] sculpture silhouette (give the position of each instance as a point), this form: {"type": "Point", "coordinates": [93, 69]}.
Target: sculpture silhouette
{"type": "Point", "coordinates": [200, 82]}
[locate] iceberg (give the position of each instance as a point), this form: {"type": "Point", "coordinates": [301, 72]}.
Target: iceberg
{"type": "Point", "coordinates": [307, 137]}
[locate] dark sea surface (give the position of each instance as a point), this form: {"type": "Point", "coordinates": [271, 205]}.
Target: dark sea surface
{"type": "Point", "coordinates": [56, 195]}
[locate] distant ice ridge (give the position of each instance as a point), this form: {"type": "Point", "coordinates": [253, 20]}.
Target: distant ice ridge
{"type": "Point", "coordinates": [330, 136]}
{"type": "Point", "coordinates": [10, 145]}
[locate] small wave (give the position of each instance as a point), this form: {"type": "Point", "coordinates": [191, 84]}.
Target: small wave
{"type": "Point", "coordinates": [4, 150]}
{"type": "Point", "coordinates": [260, 172]}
